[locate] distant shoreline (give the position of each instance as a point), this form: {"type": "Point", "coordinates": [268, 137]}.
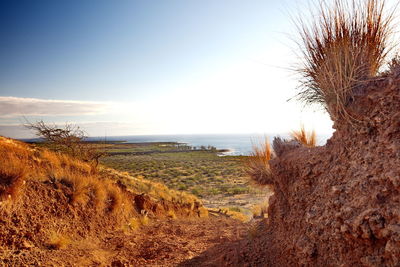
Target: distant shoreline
{"type": "Point", "coordinates": [231, 144]}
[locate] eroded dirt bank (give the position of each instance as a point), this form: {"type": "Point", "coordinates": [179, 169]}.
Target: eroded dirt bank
{"type": "Point", "coordinates": [57, 211]}
{"type": "Point", "coordinates": [336, 205]}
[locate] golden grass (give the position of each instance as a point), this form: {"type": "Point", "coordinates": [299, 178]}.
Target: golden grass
{"type": "Point", "coordinates": [308, 139]}
{"type": "Point", "coordinates": [20, 162]}
{"type": "Point", "coordinates": [137, 222]}
{"type": "Point", "coordinates": [12, 178]}
{"type": "Point", "coordinates": [134, 223]}
{"type": "Point", "coordinates": [203, 212]}
{"type": "Point", "coordinates": [13, 173]}
{"type": "Point", "coordinates": [345, 45]}
{"type": "Point", "coordinates": [260, 210]}
{"type": "Point", "coordinates": [232, 213]}
{"type": "Point", "coordinates": [171, 214]}
{"type": "Point", "coordinates": [156, 190]}
{"type": "Point", "coordinates": [107, 191]}
{"type": "Point", "coordinates": [257, 164]}
{"type": "Point", "coordinates": [58, 241]}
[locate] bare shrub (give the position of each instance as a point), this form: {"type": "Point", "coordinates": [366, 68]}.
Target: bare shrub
{"type": "Point", "coordinates": [68, 139]}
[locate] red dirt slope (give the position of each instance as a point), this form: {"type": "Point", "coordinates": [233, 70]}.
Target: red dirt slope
{"type": "Point", "coordinates": [58, 211]}
{"type": "Point", "coordinates": [336, 205]}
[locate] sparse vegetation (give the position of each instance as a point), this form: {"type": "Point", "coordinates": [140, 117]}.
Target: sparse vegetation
{"type": "Point", "coordinates": [88, 186]}
{"type": "Point", "coordinates": [305, 138]}
{"type": "Point", "coordinates": [171, 214]}
{"type": "Point", "coordinates": [68, 139]}
{"type": "Point", "coordinates": [200, 172]}
{"type": "Point", "coordinates": [58, 241]}
{"type": "Point", "coordinates": [260, 210]}
{"type": "Point", "coordinates": [136, 222]}
{"type": "Point", "coordinates": [343, 47]}
{"type": "Point", "coordinates": [257, 164]}
{"type": "Point", "coordinates": [12, 175]}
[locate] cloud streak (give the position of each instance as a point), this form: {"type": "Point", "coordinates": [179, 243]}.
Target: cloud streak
{"type": "Point", "coordinates": [18, 106]}
{"type": "Point", "coordinates": [95, 128]}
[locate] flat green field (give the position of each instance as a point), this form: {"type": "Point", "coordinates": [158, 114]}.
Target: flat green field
{"type": "Point", "coordinates": [203, 172]}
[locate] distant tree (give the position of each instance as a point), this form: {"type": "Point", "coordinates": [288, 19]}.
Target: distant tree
{"type": "Point", "coordinates": [69, 139]}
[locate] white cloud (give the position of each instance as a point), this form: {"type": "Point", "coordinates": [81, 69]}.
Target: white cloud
{"type": "Point", "coordinates": [99, 128]}
{"type": "Point", "coordinates": [18, 106]}
{"type": "Point", "coordinates": [15, 131]}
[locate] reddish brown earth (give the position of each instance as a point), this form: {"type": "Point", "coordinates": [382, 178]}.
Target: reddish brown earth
{"type": "Point", "coordinates": [161, 243]}
{"type": "Point", "coordinates": [335, 205]}
{"type": "Point", "coordinates": [101, 239]}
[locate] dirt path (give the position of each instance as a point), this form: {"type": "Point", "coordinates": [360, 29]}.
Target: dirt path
{"type": "Point", "coordinates": [161, 243]}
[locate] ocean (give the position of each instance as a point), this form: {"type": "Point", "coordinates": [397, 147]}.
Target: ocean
{"type": "Point", "coordinates": [237, 144]}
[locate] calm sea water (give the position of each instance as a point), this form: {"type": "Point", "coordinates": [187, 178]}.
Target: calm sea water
{"type": "Point", "coordinates": [238, 144]}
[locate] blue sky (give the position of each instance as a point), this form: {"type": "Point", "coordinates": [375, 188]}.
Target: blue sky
{"type": "Point", "coordinates": [151, 67]}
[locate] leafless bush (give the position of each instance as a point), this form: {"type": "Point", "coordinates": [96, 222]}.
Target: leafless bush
{"type": "Point", "coordinates": [69, 139]}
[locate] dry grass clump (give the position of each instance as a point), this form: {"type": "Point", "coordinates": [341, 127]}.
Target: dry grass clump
{"type": "Point", "coordinates": [105, 195]}
{"type": "Point", "coordinates": [260, 210]}
{"type": "Point", "coordinates": [203, 212]}
{"type": "Point", "coordinates": [257, 164]}
{"type": "Point", "coordinates": [344, 46]}
{"type": "Point", "coordinates": [171, 214]}
{"type": "Point", "coordinates": [136, 222]}
{"type": "Point", "coordinates": [13, 173]}
{"type": "Point", "coordinates": [58, 241]}
{"type": "Point", "coordinates": [115, 200]}
{"type": "Point", "coordinates": [14, 168]}
{"type": "Point", "coordinates": [55, 161]}
{"type": "Point", "coordinates": [308, 139]}
{"type": "Point", "coordinates": [20, 162]}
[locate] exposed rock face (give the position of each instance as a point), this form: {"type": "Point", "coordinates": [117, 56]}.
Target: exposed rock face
{"type": "Point", "coordinates": [339, 204]}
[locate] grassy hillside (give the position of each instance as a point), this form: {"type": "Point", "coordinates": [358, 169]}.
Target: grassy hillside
{"type": "Point", "coordinates": [56, 210]}
{"type": "Point", "coordinates": [57, 193]}
{"type": "Point", "coordinates": [201, 172]}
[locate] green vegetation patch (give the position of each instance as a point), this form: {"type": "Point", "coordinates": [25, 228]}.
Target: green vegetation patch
{"type": "Point", "coordinates": [201, 172]}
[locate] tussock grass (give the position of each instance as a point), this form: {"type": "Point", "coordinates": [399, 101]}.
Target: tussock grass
{"type": "Point", "coordinates": [171, 214]}
{"type": "Point", "coordinates": [107, 191]}
{"type": "Point", "coordinates": [13, 168]}
{"type": "Point", "coordinates": [308, 139]}
{"type": "Point", "coordinates": [260, 210]}
{"type": "Point", "coordinates": [20, 162]}
{"type": "Point", "coordinates": [343, 47]}
{"type": "Point", "coordinates": [58, 241]}
{"type": "Point", "coordinates": [137, 222]}
{"type": "Point", "coordinates": [257, 164]}
{"type": "Point", "coordinates": [12, 177]}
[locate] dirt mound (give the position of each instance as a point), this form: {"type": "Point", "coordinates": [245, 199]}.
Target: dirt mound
{"type": "Point", "coordinates": [55, 209]}
{"type": "Point", "coordinates": [336, 205]}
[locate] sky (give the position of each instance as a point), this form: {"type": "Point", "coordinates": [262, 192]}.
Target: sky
{"type": "Point", "coordinates": [152, 67]}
